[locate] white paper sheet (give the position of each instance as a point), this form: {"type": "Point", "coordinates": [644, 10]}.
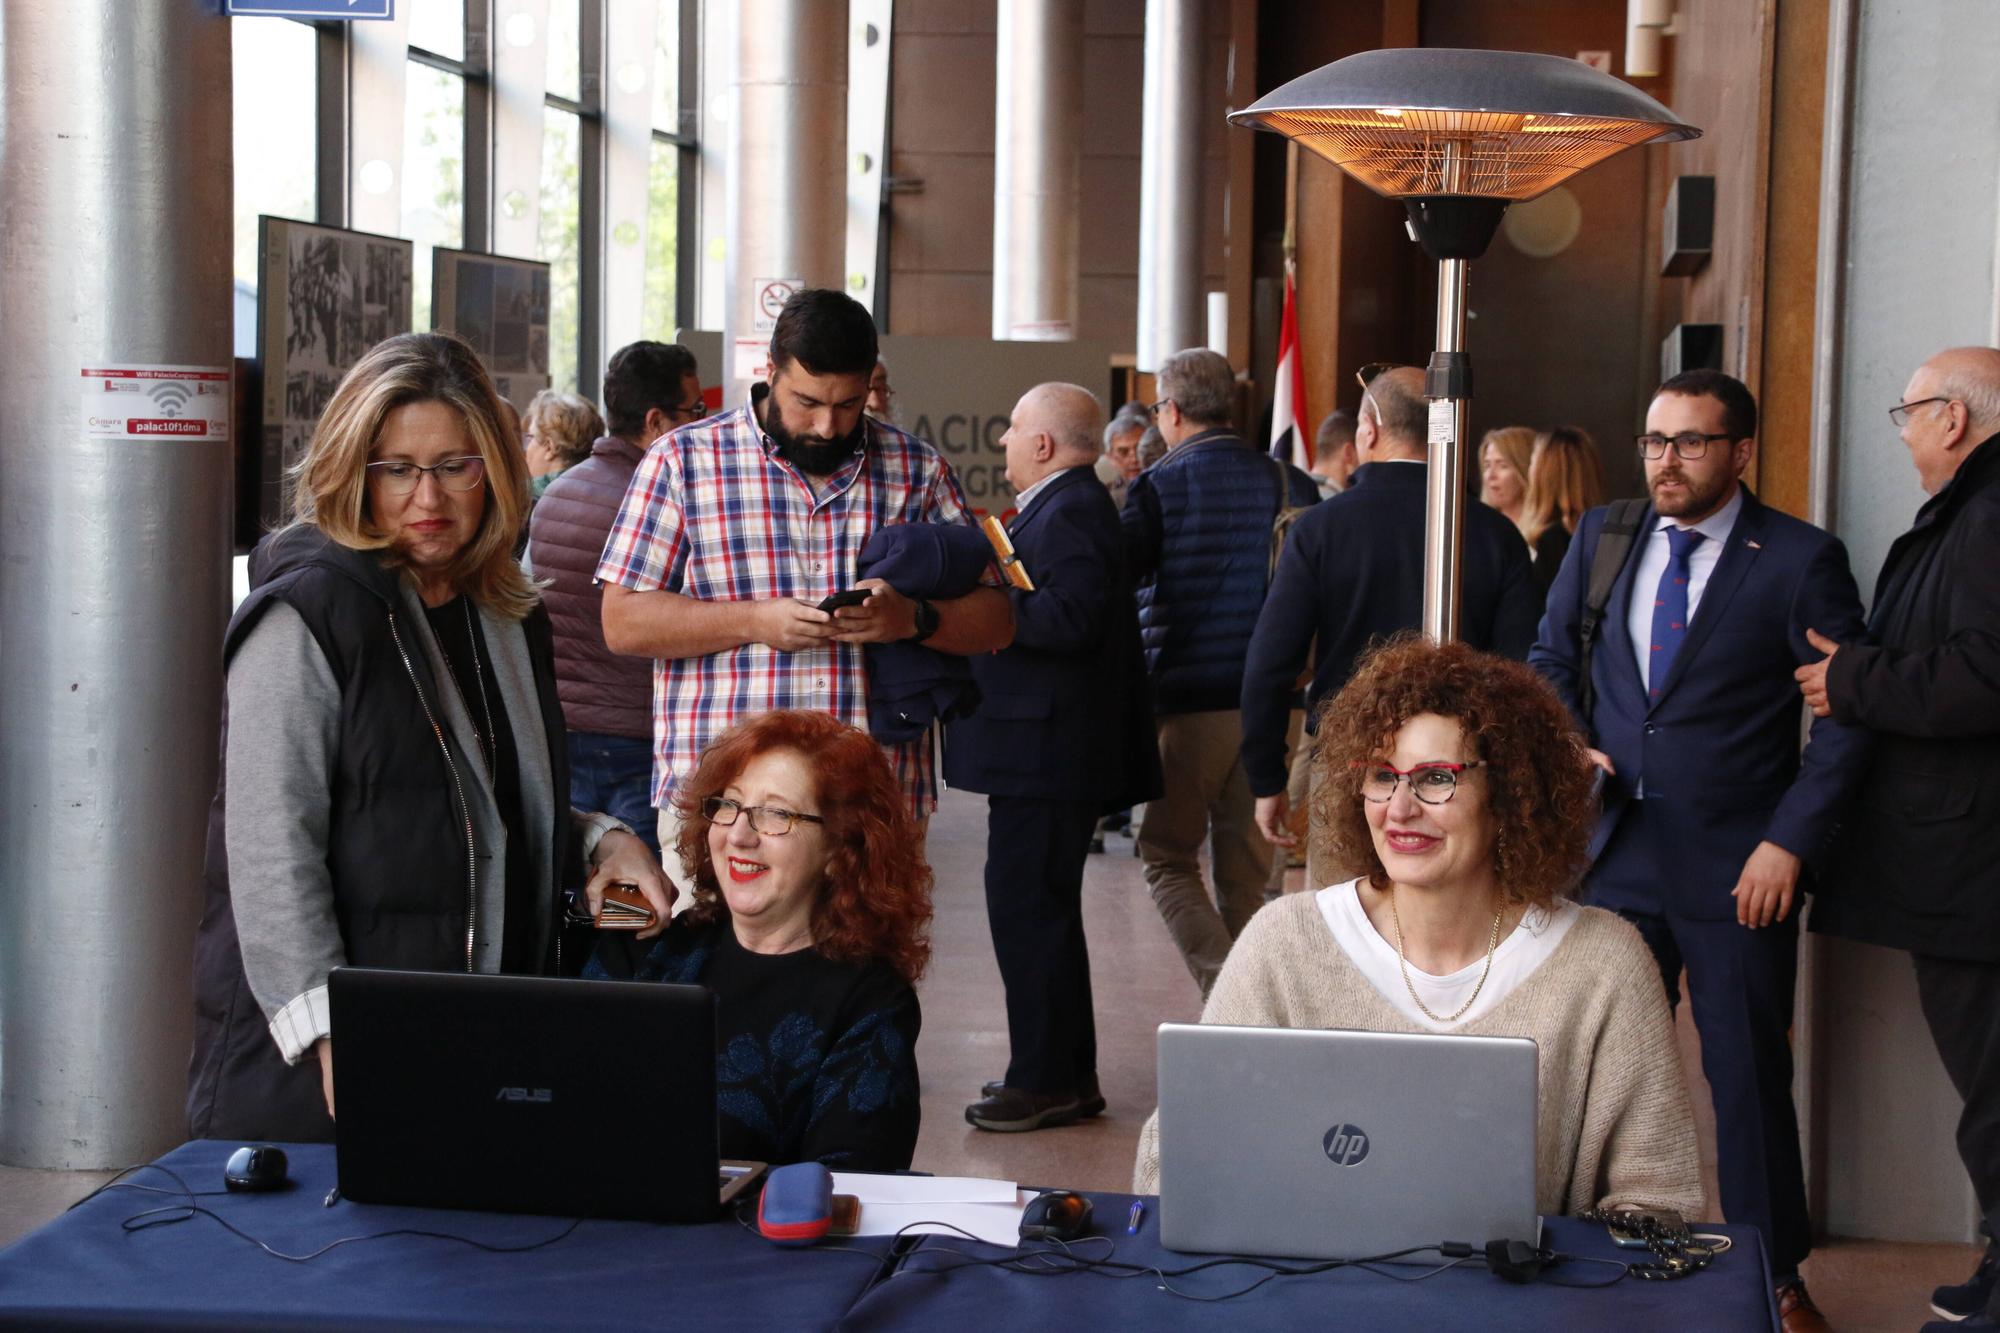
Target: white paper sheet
{"type": "Point", "coordinates": [994, 1223]}
{"type": "Point", "coordinates": [923, 1189]}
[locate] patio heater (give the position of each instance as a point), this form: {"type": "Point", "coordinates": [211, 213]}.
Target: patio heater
{"type": "Point", "coordinates": [1457, 136]}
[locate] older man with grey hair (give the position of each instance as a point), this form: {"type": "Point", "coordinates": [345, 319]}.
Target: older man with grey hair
{"type": "Point", "coordinates": [1121, 448]}
{"type": "Point", "coordinates": [1916, 862]}
{"type": "Point", "coordinates": [1198, 530]}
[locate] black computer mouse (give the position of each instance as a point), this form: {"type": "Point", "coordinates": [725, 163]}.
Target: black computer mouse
{"type": "Point", "coordinates": [257, 1168]}
{"type": "Point", "coordinates": [1056, 1215]}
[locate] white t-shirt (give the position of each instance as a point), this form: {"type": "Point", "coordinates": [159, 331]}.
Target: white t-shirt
{"type": "Point", "coordinates": [1518, 955]}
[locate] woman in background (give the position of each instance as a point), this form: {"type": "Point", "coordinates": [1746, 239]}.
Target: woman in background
{"type": "Point", "coordinates": [557, 434]}
{"type": "Point", "coordinates": [1504, 457]}
{"type": "Point", "coordinates": [1565, 479]}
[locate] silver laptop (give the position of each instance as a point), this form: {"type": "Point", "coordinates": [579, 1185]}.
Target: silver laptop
{"type": "Point", "coordinates": [1330, 1144]}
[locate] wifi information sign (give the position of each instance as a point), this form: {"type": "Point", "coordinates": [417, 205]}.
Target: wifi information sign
{"type": "Point", "coordinates": [156, 402]}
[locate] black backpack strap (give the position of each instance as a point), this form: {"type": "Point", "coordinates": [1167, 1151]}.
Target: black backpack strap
{"type": "Point", "coordinates": [1614, 543]}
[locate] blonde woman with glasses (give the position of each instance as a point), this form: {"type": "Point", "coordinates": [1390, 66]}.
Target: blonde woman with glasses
{"type": "Point", "coordinates": [395, 787]}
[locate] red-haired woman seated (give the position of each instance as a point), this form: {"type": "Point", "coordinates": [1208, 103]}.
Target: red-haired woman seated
{"type": "Point", "coordinates": [811, 904]}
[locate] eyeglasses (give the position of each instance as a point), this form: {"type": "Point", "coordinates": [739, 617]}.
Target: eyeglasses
{"type": "Point", "coordinates": [765, 819]}
{"type": "Point", "coordinates": [1689, 444]}
{"type": "Point", "coordinates": [1153, 409]}
{"type": "Point", "coordinates": [1433, 784]}
{"type": "Point", "coordinates": [693, 411]}
{"type": "Point", "coordinates": [1369, 373]}
{"type": "Point", "coordinates": [1900, 413]}
{"type": "Point", "coordinates": [454, 474]}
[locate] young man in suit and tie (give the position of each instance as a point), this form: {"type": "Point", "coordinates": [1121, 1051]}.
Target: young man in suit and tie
{"type": "Point", "coordinates": [1710, 809]}
{"type": "Point", "coordinates": [1063, 734]}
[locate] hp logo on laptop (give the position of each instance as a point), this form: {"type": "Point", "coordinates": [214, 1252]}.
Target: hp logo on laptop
{"type": "Point", "coordinates": [1345, 1145]}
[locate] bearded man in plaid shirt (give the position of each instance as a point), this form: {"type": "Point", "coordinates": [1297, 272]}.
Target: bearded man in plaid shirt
{"type": "Point", "coordinates": [736, 527]}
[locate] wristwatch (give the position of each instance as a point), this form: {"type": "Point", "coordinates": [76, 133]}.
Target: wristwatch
{"type": "Point", "coordinates": [927, 621]}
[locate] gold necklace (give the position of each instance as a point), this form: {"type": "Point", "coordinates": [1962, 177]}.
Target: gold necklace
{"type": "Point", "coordinates": [1492, 942]}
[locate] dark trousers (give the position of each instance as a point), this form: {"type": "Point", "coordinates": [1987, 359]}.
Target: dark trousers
{"type": "Point", "coordinates": [1961, 1002]}
{"type": "Point", "coordinates": [613, 775]}
{"type": "Point", "coordinates": [1035, 852]}
{"type": "Point", "coordinates": [1740, 983]}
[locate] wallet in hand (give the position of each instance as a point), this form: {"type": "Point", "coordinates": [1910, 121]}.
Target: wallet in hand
{"type": "Point", "coordinates": [625, 908]}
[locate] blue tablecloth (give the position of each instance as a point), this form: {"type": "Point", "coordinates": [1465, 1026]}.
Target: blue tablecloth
{"type": "Point", "coordinates": [927, 1291]}
{"type": "Point", "coordinates": [83, 1270]}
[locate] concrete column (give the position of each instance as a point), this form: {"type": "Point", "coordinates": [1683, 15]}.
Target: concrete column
{"type": "Point", "coordinates": [520, 81]}
{"type": "Point", "coordinates": [1037, 169]}
{"type": "Point", "coordinates": [114, 562]}
{"type": "Point", "coordinates": [1910, 212]}
{"type": "Point", "coordinates": [787, 210]}
{"type": "Point", "coordinates": [1170, 202]}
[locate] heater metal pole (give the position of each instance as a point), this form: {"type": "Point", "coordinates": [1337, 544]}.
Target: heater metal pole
{"type": "Point", "coordinates": [1444, 509]}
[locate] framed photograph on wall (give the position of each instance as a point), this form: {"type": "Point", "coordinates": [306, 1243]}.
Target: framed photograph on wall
{"type": "Point", "coordinates": [325, 295]}
{"type": "Point", "coordinates": [501, 307]}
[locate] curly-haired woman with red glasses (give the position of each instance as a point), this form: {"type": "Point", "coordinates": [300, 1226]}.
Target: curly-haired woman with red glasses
{"type": "Point", "coordinates": [811, 906]}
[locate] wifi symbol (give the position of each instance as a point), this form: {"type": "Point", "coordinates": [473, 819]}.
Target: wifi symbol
{"type": "Point", "coordinates": [171, 398]}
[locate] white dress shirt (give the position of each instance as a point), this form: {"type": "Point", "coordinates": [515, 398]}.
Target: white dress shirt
{"type": "Point", "coordinates": [1715, 530]}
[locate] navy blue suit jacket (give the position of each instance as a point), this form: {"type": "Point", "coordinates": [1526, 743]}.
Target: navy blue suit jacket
{"type": "Point", "coordinates": [1064, 711]}
{"type": "Point", "coordinates": [1718, 750]}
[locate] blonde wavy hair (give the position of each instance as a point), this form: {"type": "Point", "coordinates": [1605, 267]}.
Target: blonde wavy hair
{"type": "Point", "coordinates": [1566, 480]}
{"type": "Point", "coordinates": [568, 423]}
{"type": "Point", "coordinates": [329, 486]}
{"type": "Point", "coordinates": [1516, 444]}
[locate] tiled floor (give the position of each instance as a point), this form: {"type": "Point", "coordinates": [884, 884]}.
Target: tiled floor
{"type": "Point", "coordinates": [1139, 983]}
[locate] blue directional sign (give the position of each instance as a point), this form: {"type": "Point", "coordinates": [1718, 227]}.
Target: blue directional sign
{"type": "Point", "coordinates": [313, 9]}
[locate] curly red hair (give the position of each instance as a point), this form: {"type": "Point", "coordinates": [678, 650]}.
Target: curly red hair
{"type": "Point", "coordinates": [876, 902]}
{"type": "Point", "coordinates": [1539, 785]}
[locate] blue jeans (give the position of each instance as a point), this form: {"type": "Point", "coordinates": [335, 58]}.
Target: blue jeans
{"type": "Point", "coordinates": [613, 775]}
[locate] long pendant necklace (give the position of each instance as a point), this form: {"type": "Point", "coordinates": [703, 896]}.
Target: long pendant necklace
{"type": "Point", "coordinates": [487, 739]}
{"type": "Point", "coordinates": [1492, 942]}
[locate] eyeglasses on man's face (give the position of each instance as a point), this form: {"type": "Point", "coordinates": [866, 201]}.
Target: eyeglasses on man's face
{"type": "Point", "coordinates": [1153, 409]}
{"type": "Point", "coordinates": [1900, 413]}
{"type": "Point", "coordinates": [693, 411]}
{"type": "Point", "coordinates": [397, 477]}
{"type": "Point", "coordinates": [1689, 444]}
{"type": "Point", "coordinates": [1433, 784]}
{"type": "Point", "coordinates": [770, 820]}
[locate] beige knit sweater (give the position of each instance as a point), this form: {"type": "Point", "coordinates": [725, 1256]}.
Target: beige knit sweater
{"type": "Point", "coordinates": [1612, 1125]}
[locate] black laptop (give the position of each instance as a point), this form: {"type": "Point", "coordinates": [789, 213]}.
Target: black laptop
{"type": "Point", "coordinates": [529, 1095]}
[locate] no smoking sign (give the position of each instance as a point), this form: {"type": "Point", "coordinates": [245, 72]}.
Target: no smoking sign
{"type": "Point", "coordinates": [772, 293]}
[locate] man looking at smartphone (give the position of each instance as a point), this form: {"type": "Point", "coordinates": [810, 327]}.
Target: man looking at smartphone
{"type": "Point", "coordinates": [734, 530]}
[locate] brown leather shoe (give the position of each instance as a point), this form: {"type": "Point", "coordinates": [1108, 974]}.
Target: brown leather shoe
{"type": "Point", "coordinates": [1796, 1311]}
{"type": "Point", "coordinates": [1016, 1110]}
{"type": "Point", "coordinates": [1089, 1099]}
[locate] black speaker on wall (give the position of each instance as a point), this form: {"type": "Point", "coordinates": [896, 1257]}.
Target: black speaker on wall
{"type": "Point", "coordinates": [1691, 347]}
{"type": "Point", "coordinates": [1688, 234]}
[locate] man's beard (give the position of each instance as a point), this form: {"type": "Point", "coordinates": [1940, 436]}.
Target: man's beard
{"type": "Point", "coordinates": [1692, 500]}
{"type": "Point", "coordinates": [810, 454]}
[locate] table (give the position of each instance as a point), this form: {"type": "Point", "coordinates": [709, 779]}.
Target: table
{"type": "Point", "coordinates": [926, 1292]}
{"type": "Point", "coordinates": [84, 1270]}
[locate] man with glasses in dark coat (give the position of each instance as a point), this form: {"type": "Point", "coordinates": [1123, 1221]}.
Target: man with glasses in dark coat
{"type": "Point", "coordinates": [1711, 812]}
{"type": "Point", "coordinates": [1917, 864]}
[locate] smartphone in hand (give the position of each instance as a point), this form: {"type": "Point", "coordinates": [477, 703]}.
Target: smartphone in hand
{"type": "Point", "coordinates": [845, 597]}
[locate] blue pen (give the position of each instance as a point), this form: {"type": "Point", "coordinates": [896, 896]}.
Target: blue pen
{"type": "Point", "coordinates": [1138, 1216]}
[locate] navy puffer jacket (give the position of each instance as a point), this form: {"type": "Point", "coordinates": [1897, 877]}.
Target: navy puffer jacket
{"type": "Point", "coordinates": [1198, 540]}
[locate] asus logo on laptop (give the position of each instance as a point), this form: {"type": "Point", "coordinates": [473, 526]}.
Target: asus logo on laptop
{"type": "Point", "coordinates": [525, 1095]}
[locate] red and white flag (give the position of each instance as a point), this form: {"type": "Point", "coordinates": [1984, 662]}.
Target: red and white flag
{"type": "Point", "coordinates": [1288, 405]}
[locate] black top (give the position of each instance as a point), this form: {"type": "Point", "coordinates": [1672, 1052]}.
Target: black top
{"type": "Point", "coordinates": [815, 1060]}
{"type": "Point", "coordinates": [1550, 548]}
{"type": "Point", "coordinates": [456, 627]}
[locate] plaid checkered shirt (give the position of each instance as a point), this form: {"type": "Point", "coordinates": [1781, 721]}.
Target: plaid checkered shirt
{"type": "Point", "coordinates": [714, 513]}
